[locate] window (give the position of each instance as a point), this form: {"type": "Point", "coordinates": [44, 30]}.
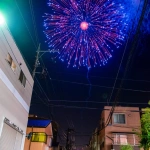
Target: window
{"type": "Point", "coordinates": [22, 78]}
{"type": "Point", "coordinates": [123, 139]}
{"type": "Point", "coordinates": [119, 118]}
{"type": "Point", "coordinates": [11, 62]}
{"type": "Point", "coordinates": [39, 137]}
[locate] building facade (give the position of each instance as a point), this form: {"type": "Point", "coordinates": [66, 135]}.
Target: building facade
{"type": "Point", "coordinates": [39, 133]}
{"type": "Point", "coordinates": [125, 121]}
{"type": "Point", "coordinates": [16, 86]}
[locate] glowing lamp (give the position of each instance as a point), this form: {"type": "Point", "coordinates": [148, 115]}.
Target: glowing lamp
{"type": "Point", "coordinates": [84, 25]}
{"type": "Point", "coordinates": [2, 20]}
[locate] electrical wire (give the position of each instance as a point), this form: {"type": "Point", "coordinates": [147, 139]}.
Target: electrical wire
{"type": "Point", "coordinates": [127, 64]}
{"type": "Point", "coordinates": [42, 90]}
{"type": "Point", "coordinates": [113, 87]}
{"type": "Point", "coordinates": [109, 87]}
{"type": "Point", "coordinates": [91, 76]}
{"type": "Point", "coordinates": [78, 107]}
{"type": "Point", "coordinates": [18, 63]}
{"type": "Point", "coordinates": [25, 24]}
{"type": "Point", "coordinates": [48, 76]}
{"type": "Point", "coordinates": [13, 53]}
{"type": "Point", "coordinates": [34, 21]}
{"type": "Point", "coordinates": [65, 106]}
{"type": "Point", "coordinates": [95, 102]}
{"type": "Point", "coordinates": [124, 76]}
{"type": "Point", "coordinates": [36, 35]}
{"type": "Point", "coordinates": [118, 70]}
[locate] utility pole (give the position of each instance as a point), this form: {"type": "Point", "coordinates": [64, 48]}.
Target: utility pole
{"type": "Point", "coordinates": [36, 61]}
{"type": "Point", "coordinates": [67, 140]}
{"type": "Point", "coordinates": [39, 54]}
{"type": "Point", "coordinates": [68, 143]}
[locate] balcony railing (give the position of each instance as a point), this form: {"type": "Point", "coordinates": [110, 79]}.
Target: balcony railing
{"type": "Point", "coordinates": [123, 139]}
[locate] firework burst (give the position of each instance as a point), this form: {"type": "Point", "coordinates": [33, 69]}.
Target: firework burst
{"type": "Point", "coordinates": [85, 32]}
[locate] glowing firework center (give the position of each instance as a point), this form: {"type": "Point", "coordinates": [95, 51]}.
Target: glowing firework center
{"type": "Point", "coordinates": [84, 25]}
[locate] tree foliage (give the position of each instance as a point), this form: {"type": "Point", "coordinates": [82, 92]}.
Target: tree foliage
{"type": "Point", "coordinates": [126, 147]}
{"type": "Point", "coordinates": [145, 129]}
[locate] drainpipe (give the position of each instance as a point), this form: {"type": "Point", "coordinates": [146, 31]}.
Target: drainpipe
{"type": "Point", "coordinates": [30, 138]}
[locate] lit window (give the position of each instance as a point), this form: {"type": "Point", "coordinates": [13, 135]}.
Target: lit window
{"type": "Point", "coordinates": [9, 59]}
{"type": "Point", "coordinates": [123, 139]}
{"type": "Point", "coordinates": [11, 62]}
{"type": "Point", "coordinates": [22, 78]}
{"type": "Point", "coordinates": [13, 66]}
{"type": "Point", "coordinates": [39, 137]}
{"type": "Point", "coordinates": [120, 139]}
{"type": "Point", "coordinates": [119, 118]}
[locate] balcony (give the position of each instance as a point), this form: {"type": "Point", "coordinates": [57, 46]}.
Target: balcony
{"type": "Point", "coordinates": [124, 139]}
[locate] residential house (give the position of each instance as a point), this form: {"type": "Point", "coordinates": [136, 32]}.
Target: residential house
{"type": "Point", "coordinates": [16, 86]}
{"type": "Point", "coordinates": [39, 134]}
{"type": "Point", "coordinates": [125, 121]}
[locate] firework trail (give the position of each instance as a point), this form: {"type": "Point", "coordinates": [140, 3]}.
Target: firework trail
{"type": "Point", "coordinates": [85, 32]}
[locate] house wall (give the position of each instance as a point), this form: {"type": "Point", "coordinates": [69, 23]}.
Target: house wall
{"type": "Point", "coordinates": [132, 121]}
{"type": "Point", "coordinates": [38, 145]}
{"type": "Point", "coordinates": [14, 97]}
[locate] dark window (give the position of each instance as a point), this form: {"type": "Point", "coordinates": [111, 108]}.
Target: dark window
{"type": "Point", "coordinates": [22, 78]}
{"type": "Point", "coordinates": [119, 118]}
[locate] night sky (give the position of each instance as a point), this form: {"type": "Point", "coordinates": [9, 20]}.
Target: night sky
{"type": "Point", "coordinates": [63, 94]}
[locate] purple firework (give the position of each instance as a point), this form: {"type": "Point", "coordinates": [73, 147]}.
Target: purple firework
{"type": "Point", "coordinates": [85, 32]}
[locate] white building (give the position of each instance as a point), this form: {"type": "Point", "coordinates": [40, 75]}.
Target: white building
{"type": "Point", "coordinates": [16, 86]}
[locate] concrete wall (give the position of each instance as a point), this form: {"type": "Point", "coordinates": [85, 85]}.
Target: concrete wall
{"type": "Point", "coordinates": [14, 97]}
{"type": "Point", "coordinates": [7, 45]}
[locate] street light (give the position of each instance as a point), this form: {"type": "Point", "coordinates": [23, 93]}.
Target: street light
{"type": "Point", "coordinates": [2, 20]}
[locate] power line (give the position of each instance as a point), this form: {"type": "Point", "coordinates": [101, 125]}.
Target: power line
{"type": "Point", "coordinates": [70, 101]}
{"type": "Point", "coordinates": [135, 38]}
{"type": "Point", "coordinates": [48, 76]}
{"type": "Point", "coordinates": [119, 69]}
{"type": "Point", "coordinates": [33, 21]}
{"type": "Point", "coordinates": [42, 91]}
{"type": "Point", "coordinates": [79, 107]}
{"type": "Point", "coordinates": [65, 106]}
{"type": "Point", "coordinates": [91, 76]}
{"type": "Point", "coordinates": [26, 25]}
{"type": "Point", "coordinates": [127, 65]}
{"type": "Point", "coordinates": [35, 29]}
{"type": "Point", "coordinates": [80, 83]}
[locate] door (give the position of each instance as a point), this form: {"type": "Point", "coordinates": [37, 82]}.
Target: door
{"type": "Point", "coordinates": [10, 138]}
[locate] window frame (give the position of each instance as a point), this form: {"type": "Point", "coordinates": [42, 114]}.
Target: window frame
{"type": "Point", "coordinates": [22, 79]}
{"type": "Point", "coordinates": [119, 122]}
{"type": "Point", "coordinates": [34, 133]}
